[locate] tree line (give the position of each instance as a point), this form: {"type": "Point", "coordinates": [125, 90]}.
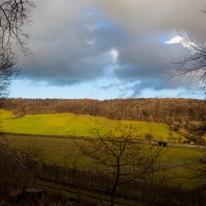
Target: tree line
{"type": "Point", "coordinates": [175, 112]}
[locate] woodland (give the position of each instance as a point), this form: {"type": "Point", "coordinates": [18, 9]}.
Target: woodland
{"type": "Point", "coordinates": [178, 113]}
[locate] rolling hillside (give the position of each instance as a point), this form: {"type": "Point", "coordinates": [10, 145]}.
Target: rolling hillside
{"type": "Point", "coordinates": [69, 124]}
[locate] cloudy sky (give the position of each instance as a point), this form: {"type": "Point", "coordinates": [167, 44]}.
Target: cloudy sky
{"type": "Point", "coordinates": [103, 49]}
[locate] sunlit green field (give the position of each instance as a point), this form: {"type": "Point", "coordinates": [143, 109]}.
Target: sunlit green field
{"type": "Point", "coordinates": [58, 148]}
{"type": "Point", "coordinates": [79, 125]}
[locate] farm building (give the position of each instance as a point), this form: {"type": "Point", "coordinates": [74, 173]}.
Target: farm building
{"type": "Point", "coordinates": [163, 144]}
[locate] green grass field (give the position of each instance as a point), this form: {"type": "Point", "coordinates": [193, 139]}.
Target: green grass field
{"type": "Point", "coordinates": [58, 148]}
{"type": "Point", "coordinates": [64, 153]}
{"type": "Point", "coordinates": [70, 124]}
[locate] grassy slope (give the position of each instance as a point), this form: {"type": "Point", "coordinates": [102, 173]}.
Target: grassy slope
{"type": "Point", "coordinates": [67, 123]}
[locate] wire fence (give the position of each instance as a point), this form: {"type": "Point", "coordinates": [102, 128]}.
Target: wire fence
{"type": "Point", "coordinates": [188, 146]}
{"type": "Point", "coordinates": [129, 169]}
{"type": "Point", "coordinates": [102, 182]}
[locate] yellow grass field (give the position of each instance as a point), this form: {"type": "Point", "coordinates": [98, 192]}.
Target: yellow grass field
{"type": "Point", "coordinates": [71, 124]}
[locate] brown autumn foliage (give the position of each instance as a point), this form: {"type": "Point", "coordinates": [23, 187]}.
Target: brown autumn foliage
{"type": "Point", "coordinates": [165, 110]}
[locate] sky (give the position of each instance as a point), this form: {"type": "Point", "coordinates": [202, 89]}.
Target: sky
{"type": "Point", "coordinates": [103, 49]}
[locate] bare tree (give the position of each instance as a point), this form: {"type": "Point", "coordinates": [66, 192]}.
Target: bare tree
{"type": "Point", "coordinates": [13, 17]}
{"type": "Point", "coordinates": [119, 152]}
{"type": "Point", "coordinates": [193, 64]}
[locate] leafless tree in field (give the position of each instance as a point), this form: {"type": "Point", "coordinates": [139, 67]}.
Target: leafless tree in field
{"type": "Point", "coordinates": [118, 151]}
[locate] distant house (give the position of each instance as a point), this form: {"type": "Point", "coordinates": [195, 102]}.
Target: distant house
{"type": "Point", "coordinates": [163, 144]}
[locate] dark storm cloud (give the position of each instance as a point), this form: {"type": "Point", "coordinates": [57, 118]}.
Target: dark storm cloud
{"type": "Point", "coordinates": [148, 62]}
{"type": "Point", "coordinates": [72, 41]}
{"type": "Point", "coordinates": [79, 53]}
{"type": "Point", "coordinates": [154, 17]}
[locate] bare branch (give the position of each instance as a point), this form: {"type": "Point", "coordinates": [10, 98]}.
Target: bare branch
{"type": "Point", "coordinates": [193, 65]}
{"type": "Point", "coordinates": [13, 16]}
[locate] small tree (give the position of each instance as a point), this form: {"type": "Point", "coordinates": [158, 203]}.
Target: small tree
{"type": "Point", "coordinates": [119, 152]}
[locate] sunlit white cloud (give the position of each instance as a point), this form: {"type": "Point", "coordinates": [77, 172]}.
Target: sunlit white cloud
{"type": "Point", "coordinates": [184, 41]}
{"type": "Point", "coordinates": [174, 40]}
